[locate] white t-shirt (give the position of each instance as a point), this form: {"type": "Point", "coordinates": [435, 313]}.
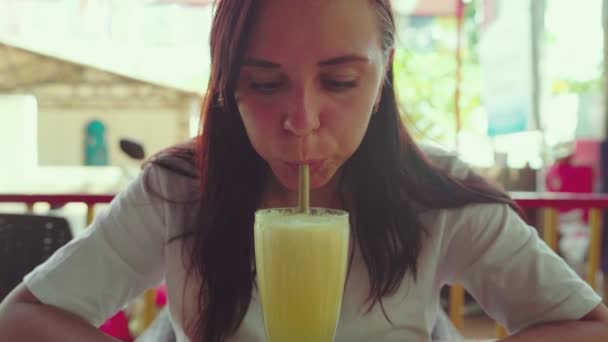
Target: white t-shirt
{"type": "Point", "coordinates": [500, 260]}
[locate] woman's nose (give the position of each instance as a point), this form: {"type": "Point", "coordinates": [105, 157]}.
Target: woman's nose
{"type": "Point", "coordinates": [302, 117]}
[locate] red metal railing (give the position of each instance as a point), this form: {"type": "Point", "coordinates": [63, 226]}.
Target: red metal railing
{"type": "Point", "coordinates": [58, 199]}
{"type": "Point", "coordinates": [550, 203]}
{"type": "Point", "coordinates": [52, 199]}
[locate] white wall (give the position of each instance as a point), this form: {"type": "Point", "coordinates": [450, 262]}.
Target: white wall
{"type": "Point", "coordinates": [18, 150]}
{"type": "Point", "coordinates": [61, 132]}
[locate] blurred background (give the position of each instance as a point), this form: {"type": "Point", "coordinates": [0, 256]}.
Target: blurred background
{"type": "Point", "coordinates": [515, 87]}
{"type": "Point", "coordinates": [508, 83]}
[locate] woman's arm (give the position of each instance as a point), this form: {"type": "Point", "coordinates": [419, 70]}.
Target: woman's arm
{"type": "Point", "coordinates": [518, 280]}
{"type": "Point", "coordinates": [592, 327]}
{"type": "Point", "coordinates": [92, 277]}
{"type": "Point", "coordinates": [24, 318]}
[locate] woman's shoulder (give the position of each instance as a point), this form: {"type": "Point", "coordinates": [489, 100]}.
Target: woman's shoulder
{"type": "Point", "coordinates": [172, 173]}
{"type": "Point", "coordinates": [450, 163]}
{"type": "Point", "coordinates": [446, 160]}
{"type": "Point", "coordinates": [180, 159]}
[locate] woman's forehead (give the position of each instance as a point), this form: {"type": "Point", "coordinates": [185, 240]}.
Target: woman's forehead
{"type": "Point", "coordinates": [318, 29]}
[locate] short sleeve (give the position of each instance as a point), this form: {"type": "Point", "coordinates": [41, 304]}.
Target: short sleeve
{"type": "Point", "coordinates": [119, 256]}
{"type": "Point", "coordinates": [511, 272]}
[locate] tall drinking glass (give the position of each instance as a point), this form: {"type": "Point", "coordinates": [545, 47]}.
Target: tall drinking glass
{"type": "Point", "coordinates": [301, 265]}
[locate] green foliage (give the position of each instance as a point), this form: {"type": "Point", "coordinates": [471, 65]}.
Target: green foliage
{"type": "Point", "coordinates": [577, 87]}
{"type": "Point", "coordinates": [425, 81]}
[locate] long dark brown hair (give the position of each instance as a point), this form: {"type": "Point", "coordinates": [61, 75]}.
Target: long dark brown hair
{"type": "Point", "coordinates": [389, 180]}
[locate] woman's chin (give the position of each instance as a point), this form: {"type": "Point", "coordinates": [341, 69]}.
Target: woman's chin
{"type": "Point", "coordinates": [292, 183]}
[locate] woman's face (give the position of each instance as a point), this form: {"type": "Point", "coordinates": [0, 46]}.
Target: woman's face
{"type": "Point", "coordinates": [312, 74]}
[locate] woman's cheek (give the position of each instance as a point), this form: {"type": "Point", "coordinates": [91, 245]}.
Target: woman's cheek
{"type": "Point", "coordinates": [261, 125]}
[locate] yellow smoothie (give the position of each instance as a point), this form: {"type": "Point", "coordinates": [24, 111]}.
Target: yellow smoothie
{"type": "Point", "coordinates": [301, 265]}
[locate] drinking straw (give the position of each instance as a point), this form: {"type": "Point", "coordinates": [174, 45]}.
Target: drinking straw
{"type": "Point", "coordinates": [304, 190]}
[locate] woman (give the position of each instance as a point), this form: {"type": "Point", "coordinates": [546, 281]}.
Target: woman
{"type": "Point", "coordinates": [305, 82]}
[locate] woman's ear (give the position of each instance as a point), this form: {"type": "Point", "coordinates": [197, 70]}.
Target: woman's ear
{"type": "Point", "coordinates": [389, 59]}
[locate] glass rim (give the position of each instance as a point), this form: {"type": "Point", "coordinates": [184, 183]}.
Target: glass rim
{"type": "Point", "coordinates": [294, 210]}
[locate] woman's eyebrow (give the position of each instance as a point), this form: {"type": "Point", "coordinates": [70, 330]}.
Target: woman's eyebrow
{"type": "Point", "coordinates": [261, 63]}
{"type": "Point", "coordinates": [267, 64]}
{"type": "Point", "coordinates": [350, 58]}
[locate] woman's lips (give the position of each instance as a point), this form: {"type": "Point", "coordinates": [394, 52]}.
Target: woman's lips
{"type": "Point", "coordinates": [314, 165]}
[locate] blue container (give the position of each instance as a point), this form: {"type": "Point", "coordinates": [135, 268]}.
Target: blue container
{"type": "Point", "coordinates": [95, 146]}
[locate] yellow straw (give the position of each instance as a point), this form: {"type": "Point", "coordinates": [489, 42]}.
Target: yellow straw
{"type": "Point", "coordinates": [304, 190]}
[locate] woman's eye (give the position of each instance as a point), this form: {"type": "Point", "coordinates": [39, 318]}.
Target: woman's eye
{"type": "Point", "coordinates": [265, 87]}
{"type": "Point", "coordinates": [338, 86]}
